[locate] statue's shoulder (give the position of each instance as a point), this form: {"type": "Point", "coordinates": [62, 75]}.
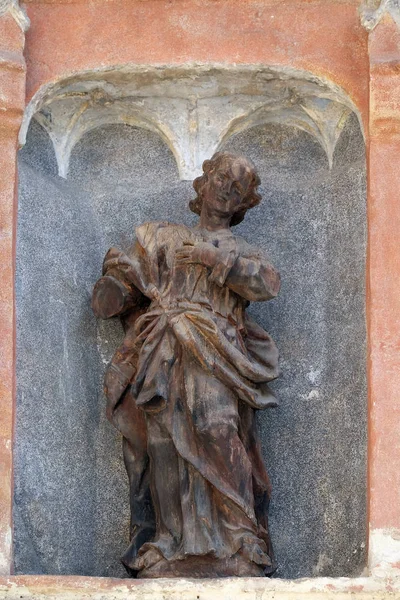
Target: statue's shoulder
{"type": "Point", "coordinates": [245, 249]}
{"type": "Point", "coordinates": [157, 230]}
{"type": "Point", "coordinates": [251, 251]}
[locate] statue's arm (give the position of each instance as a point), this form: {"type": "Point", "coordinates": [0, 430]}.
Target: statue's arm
{"type": "Point", "coordinates": [247, 273]}
{"type": "Point", "coordinates": [118, 290]}
{"type": "Point", "coordinates": [253, 278]}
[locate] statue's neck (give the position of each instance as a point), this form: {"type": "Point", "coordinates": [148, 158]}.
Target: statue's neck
{"type": "Point", "coordinates": [213, 221]}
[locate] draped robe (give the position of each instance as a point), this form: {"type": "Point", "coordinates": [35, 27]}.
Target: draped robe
{"type": "Point", "coordinates": [183, 389]}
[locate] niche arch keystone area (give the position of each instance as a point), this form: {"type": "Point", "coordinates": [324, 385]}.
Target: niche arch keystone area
{"type": "Point", "coordinates": [108, 149]}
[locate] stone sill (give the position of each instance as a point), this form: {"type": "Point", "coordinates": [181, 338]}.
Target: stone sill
{"type": "Point", "coordinates": [44, 587]}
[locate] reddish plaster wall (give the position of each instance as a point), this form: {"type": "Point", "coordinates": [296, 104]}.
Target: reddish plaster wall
{"type": "Point", "coordinates": [12, 94]}
{"type": "Point", "coordinates": [323, 37]}
{"type": "Point", "coordinates": [384, 277]}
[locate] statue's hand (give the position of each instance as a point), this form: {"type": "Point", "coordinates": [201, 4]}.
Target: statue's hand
{"type": "Point", "coordinates": [202, 253]}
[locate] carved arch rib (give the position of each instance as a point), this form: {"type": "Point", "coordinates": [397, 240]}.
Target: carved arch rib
{"type": "Point", "coordinates": [194, 110]}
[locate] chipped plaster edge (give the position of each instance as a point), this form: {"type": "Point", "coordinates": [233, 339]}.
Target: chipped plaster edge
{"type": "Point", "coordinates": [384, 553]}
{"type": "Point", "coordinates": [5, 551]}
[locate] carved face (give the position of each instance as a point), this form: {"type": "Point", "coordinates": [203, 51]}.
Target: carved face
{"type": "Point", "coordinates": [227, 187]}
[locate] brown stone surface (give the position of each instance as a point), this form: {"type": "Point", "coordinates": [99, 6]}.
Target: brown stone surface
{"type": "Point", "coordinates": [184, 385]}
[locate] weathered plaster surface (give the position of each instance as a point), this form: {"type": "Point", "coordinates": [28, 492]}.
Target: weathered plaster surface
{"type": "Point", "coordinates": [318, 36]}
{"type": "Point", "coordinates": [12, 104]}
{"type": "Point", "coordinates": [384, 261]}
{"type": "Point", "coordinates": [384, 553]}
{"type": "Point", "coordinates": [5, 550]}
{"type": "Point", "coordinates": [89, 588]}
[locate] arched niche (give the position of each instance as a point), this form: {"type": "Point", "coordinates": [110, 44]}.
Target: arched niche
{"type": "Point", "coordinates": [194, 109]}
{"type": "Point", "coordinates": [125, 166]}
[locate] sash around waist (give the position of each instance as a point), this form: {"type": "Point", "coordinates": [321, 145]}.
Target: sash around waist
{"type": "Point", "coordinates": [179, 306]}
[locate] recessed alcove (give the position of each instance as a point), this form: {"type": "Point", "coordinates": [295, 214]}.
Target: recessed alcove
{"type": "Point", "coordinates": [71, 494]}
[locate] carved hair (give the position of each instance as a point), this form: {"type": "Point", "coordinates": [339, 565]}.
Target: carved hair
{"type": "Point", "coordinates": [210, 166]}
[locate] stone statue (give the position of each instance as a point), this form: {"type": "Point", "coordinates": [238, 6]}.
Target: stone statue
{"type": "Point", "coordinates": [184, 385]}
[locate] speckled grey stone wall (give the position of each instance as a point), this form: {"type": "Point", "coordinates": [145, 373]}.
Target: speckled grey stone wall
{"type": "Point", "coordinates": [71, 498]}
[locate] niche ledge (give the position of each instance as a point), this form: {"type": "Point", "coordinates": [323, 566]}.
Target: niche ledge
{"type": "Point", "coordinates": [31, 587]}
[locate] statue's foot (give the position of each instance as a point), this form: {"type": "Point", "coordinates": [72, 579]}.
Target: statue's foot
{"type": "Point", "coordinates": [141, 536]}
{"type": "Point", "coordinates": [254, 553]}
{"type": "Point", "coordinates": [148, 559]}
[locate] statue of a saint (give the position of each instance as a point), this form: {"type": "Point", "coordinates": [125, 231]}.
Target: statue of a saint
{"type": "Point", "coordinates": [184, 385]}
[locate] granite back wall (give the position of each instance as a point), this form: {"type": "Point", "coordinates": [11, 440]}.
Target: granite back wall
{"type": "Point", "coordinates": [71, 496]}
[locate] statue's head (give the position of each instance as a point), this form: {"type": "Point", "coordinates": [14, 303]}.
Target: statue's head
{"type": "Point", "coordinates": [228, 185]}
